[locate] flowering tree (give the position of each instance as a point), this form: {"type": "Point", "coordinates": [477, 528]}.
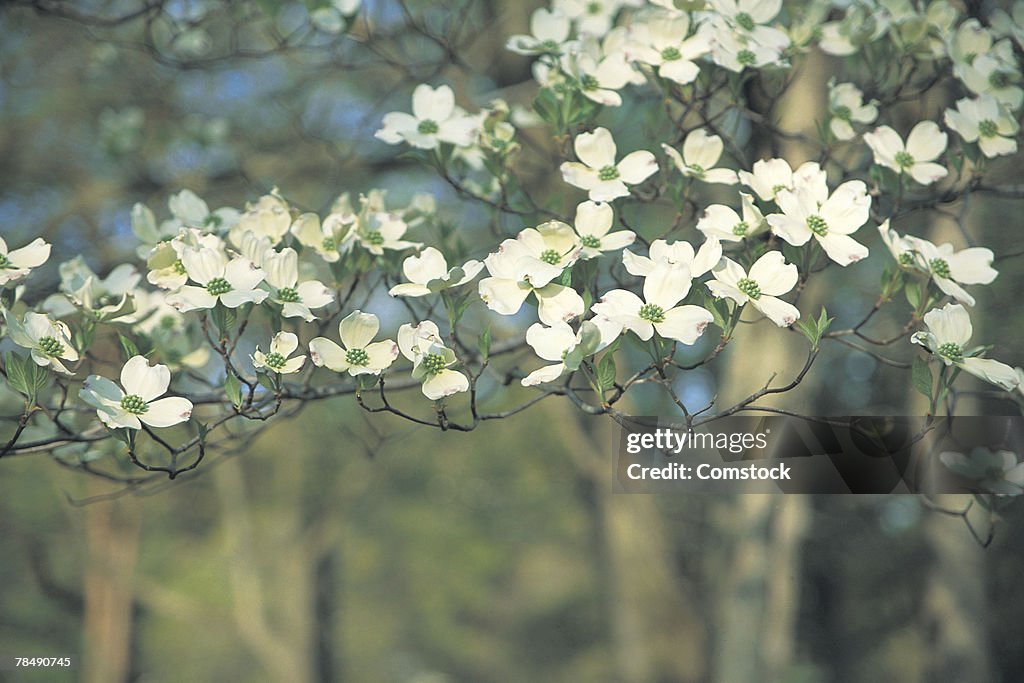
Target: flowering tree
{"type": "Point", "coordinates": [669, 234]}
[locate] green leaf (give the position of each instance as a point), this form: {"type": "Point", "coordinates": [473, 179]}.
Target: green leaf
{"type": "Point", "coordinates": [233, 390]}
{"type": "Point", "coordinates": [823, 323]}
{"type": "Point", "coordinates": [921, 376]}
{"type": "Point", "coordinates": [17, 377]}
{"type": "Point", "coordinates": [913, 294]}
{"type": "Point", "coordinates": [483, 343]}
{"type": "Point", "coordinates": [266, 381]}
{"type": "Point", "coordinates": [606, 372]}
{"type": "Point", "coordinates": [128, 346]}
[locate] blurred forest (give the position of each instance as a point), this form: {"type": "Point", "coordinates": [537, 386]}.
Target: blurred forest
{"type": "Point", "coordinates": [342, 546]}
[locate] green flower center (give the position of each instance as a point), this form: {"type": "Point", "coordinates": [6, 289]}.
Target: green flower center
{"type": "Point", "coordinates": [274, 360]}
{"type": "Point", "coordinates": [591, 242]}
{"type": "Point", "coordinates": [588, 82]}
{"type": "Point", "coordinates": [988, 128]}
{"type": "Point", "coordinates": [4, 262]}
{"type": "Point", "coordinates": [906, 259]}
{"type": "Point", "coordinates": [434, 363]}
{"type": "Point", "coordinates": [842, 112]}
{"type": "Point", "coordinates": [594, 8]}
{"type": "Point", "coordinates": [749, 287]}
{"type": "Point", "coordinates": [374, 237]}
{"type": "Point", "coordinates": [329, 244]}
{"type": "Point", "coordinates": [212, 221]}
{"type": "Point", "coordinates": [740, 229]}
{"type": "Point", "coordinates": [696, 170]}
{"type": "Point", "coordinates": [746, 57]}
{"type": "Point", "coordinates": [427, 127]}
{"type": "Point", "coordinates": [670, 54]}
{"type": "Point", "coordinates": [134, 404]}
{"type": "Point", "coordinates": [179, 267]}
{"type": "Point", "coordinates": [357, 357]}
{"type": "Point", "coordinates": [288, 295]}
{"type": "Point", "coordinates": [904, 159]}
{"type": "Point", "coordinates": [218, 286]}
{"type": "Point", "coordinates": [999, 79]}
{"type": "Point", "coordinates": [940, 268]}
{"type": "Point", "coordinates": [168, 323]}
{"type": "Point", "coordinates": [608, 173]}
{"type": "Point", "coordinates": [778, 188]}
{"type": "Point", "coordinates": [953, 352]}
{"type": "Point", "coordinates": [550, 256]}
{"type": "Point", "coordinates": [652, 313]}
{"type": "Point", "coordinates": [51, 347]}
{"type": "Point", "coordinates": [817, 225]}
{"type": "Point", "coordinates": [549, 46]}
{"type": "Point", "coordinates": [745, 21]}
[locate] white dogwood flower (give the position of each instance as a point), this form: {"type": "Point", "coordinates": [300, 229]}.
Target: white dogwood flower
{"type": "Point", "coordinates": [924, 145]}
{"type": "Point", "coordinates": [358, 354]}
{"type": "Point", "coordinates": [428, 273]}
{"type": "Point", "coordinates": [700, 154]}
{"type": "Point", "coordinates": [231, 283]}
{"type": "Point", "coordinates": [559, 343]}
{"type": "Point", "coordinates": [268, 217]}
{"type": "Point", "coordinates": [809, 211]}
{"type": "Point", "coordinates": [658, 311]}
{"type": "Point", "coordinates": [949, 329]}
{"type": "Point", "coordinates": [768, 177]}
{"type": "Point", "coordinates": [723, 223]}
{"type": "Point", "coordinates": [383, 230]}
{"type": "Point", "coordinates": [995, 472]}
{"type": "Point", "coordinates": [950, 269]}
{"type": "Point", "coordinates": [431, 360]}
{"type": "Point", "coordinates": [103, 298]}
{"type": "Point", "coordinates": [770, 277]}
{"type": "Point", "coordinates": [139, 401]}
{"type": "Point", "coordinates": [598, 76]}
{"type": "Point", "coordinates": [191, 211]}
{"type": "Point", "coordinates": [528, 264]}
{"type": "Point", "coordinates": [278, 360]}
{"type": "Point", "coordinates": [166, 269]}
{"type": "Point", "coordinates": [281, 270]}
{"type": "Point", "coordinates": [592, 223]}
{"type": "Point", "coordinates": [846, 106]}
{"type": "Point", "coordinates": [663, 43]}
{"type": "Point", "coordinates": [986, 121]}
{"type": "Point", "coordinates": [434, 119]}
{"type": "Point", "coordinates": [596, 171]}
{"type": "Point", "coordinates": [549, 30]}
{"type": "Point", "coordinates": [677, 255]}
{"type": "Point", "coordinates": [326, 238]}
{"type": "Point", "coordinates": [48, 341]}
{"type": "Point", "coordinates": [17, 263]}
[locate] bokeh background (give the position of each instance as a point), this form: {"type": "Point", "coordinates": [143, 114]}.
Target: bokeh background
{"type": "Point", "coordinates": [340, 546]}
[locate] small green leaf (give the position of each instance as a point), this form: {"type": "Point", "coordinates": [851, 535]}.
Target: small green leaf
{"type": "Point", "coordinates": [128, 346]}
{"type": "Point", "coordinates": [16, 375]}
{"type": "Point", "coordinates": [606, 372]}
{"type": "Point", "coordinates": [913, 294]}
{"type": "Point", "coordinates": [921, 376]}
{"type": "Point", "coordinates": [483, 343]}
{"type": "Point", "coordinates": [233, 390]}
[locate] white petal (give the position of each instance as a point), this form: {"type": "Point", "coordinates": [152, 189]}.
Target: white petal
{"type": "Point", "coordinates": [190, 298]}
{"type": "Point", "coordinates": [667, 285]}
{"type": "Point", "coordinates": [325, 353]}
{"type": "Point", "coordinates": [951, 323]}
{"type": "Point", "coordinates": [926, 142]}
{"type": "Point", "coordinates": [445, 383]}
{"type": "Point", "coordinates": [684, 324]}
{"type": "Point", "coordinates": [701, 149]}
{"type": "Point", "coordinates": [548, 373]}
{"type": "Point", "coordinates": [146, 382]}
{"type": "Point", "coordinates": [284, 343]}
{"type": "Point", "coordinates": [428, 265]}
{"type": "Point", "coordinates": [778, 311]}
{"type": "Point", "coordinates": [972, 266]}
{"type": "Point", "coordinates": [502, 295]}
{"type": "Point", "coordinates": [557, 303]}
{"type": "Point", "coordinates": [31, 255]}
{"type": "Point", "coordinates": [358, 329]}
{"type": "Point", "coordinates": [885, 143]}
{"type": "Point", "coordinates": [167, 412]}
{"type": "Point", "coordinates": [550, 343]}
{"type": "Point", "coordinates": [843, 249]}
{"type": "Point", "coordinates": [637, 167]}
{"type": "Point", "coordinates": [434, 105]}
{"type": "Point", "coordinates": [381, 355]}
{"type": "Point", "coordinates": [993, 371]}
{"type": "Point", "coordinates": [773, 275]}
{"type": "Point", "coordinates": [596, 149]}
{"type": "Point", "coordinates": [593, 218]}
{"type": "Point", "coordinates": [637, 265]}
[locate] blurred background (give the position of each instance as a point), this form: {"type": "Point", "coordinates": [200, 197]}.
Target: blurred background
{"type": "Point", "coordinates": [340, 546]}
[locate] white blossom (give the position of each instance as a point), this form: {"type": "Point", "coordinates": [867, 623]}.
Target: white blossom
{"type": "Point", "coordinates": [723, 223]}
{"type": "Point", "coordinates": [435, 119]}
{"type": "Point", "coordinates": [549, 31]}
{"type": "Point", "coordinates": [231, 283]}
{"type": "Point", "coordinates": [924, 145]}
{"type": "Point", "coordinates": [48, 341]}
{"type": "Point", "coordinates": [139, 401]}
{"type": "Point", "coordinates": [809, 211]}
{"type": "Point", "coordinates": [326, 238]}
{"type": "Point", "coordinates": [278, 359]}
{"type": "Point", "coordinates": [599, 174]}
{"type": "Point", "coordinates": [428, 273]}
{"type": "Point", "coordinates": [358, 354]}
{"type": "Point", "coordinates": [592, 224]}
{"type": "Point", "coordinates": [846, 106]}
{"type": "Point", "coordinates": [559, 343]}
{"type": "Point", "coordinates": [658, 311]}
{"type": "Point", "coordinates": [431, 360]}
{"type": "Point", "coordinates": [986, 121]}
{"type": "Point", "coordinates": [995, 472]}
{"type": "Point", "coordinates": [768, 177]}
{"type": "Point", "coordinates": [700, 154]}
{"type": "Point", "coordinates": [770, 277]}
{"type": "Point", "coordinates": [281, 270]}
{"type": "Point", "coordinates": [949, 330]}
{"type": "Point", "coordinates": [663, 42]}
{"type": "Point", "coordinates": [268, 217]}
{"type": "Point", "coordinates": [16, 264]}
